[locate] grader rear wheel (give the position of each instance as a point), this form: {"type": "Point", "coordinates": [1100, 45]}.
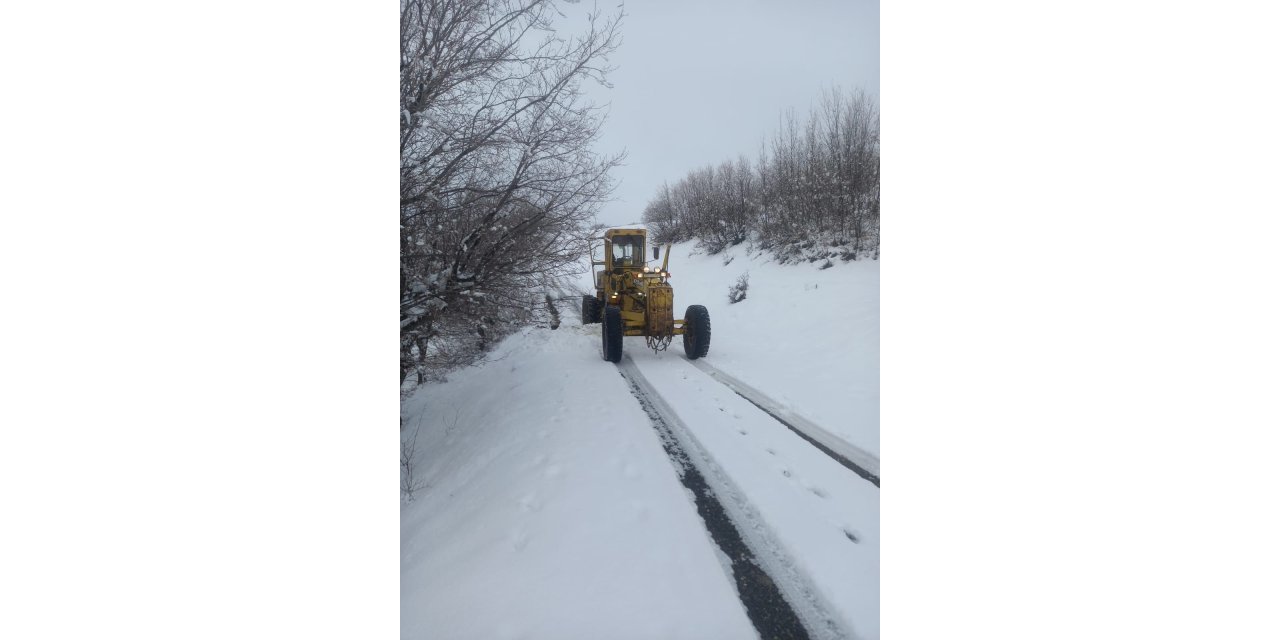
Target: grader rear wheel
{"type": "Point", "coordinates": [697, 331]}
{"type": "Point", "coordinates": [590, 310]}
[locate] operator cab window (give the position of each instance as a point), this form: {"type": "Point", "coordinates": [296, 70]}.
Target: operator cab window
{"type": "Point", "coordinates": [628, 251]}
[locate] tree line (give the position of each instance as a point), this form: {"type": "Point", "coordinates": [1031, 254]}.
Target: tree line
{"type": "Point", "coordinates": [816, 181]}
{"type": "Point", "coordinates": [498, 178]}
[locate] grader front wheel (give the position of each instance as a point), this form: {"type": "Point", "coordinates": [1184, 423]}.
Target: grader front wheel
{"type": "Point", "coordinates": [611, 334]}
{"type": "Point", "coordinates": [697, 331]}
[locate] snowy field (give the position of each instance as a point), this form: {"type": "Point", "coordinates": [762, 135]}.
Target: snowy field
{"type": "Point", "coordinates": [548, 508]}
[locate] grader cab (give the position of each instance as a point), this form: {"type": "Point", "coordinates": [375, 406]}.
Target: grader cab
{"type": "Point", "coordinates": [635, 299]}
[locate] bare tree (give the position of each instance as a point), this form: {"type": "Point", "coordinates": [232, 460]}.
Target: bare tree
{"type": "Point", "coordinates": [815, 185]}
{"type": "Point", "coordinates": [498, 177]}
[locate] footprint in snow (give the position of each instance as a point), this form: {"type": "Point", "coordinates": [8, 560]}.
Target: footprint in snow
{"type": "Point", "coordinates": [529, 503]}
{"type": "Point", "coordinates": [817, 491]}
{"type": "Point", "coordinates": [519, 540]}
{"type": "Point", "coordinates": [772, 452]}
{"type": "Point", "coordinates": [640, 511]}
{"type": "Point", "coordinates": [742, 431]}
{"type": "Point", "coordinates": [786, 473]}
{"type": "Point", "coordinates": [852, 535]}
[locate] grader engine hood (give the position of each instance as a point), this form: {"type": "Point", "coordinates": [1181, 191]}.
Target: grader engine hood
{"type": "Point", "coordinates": [659, 319]}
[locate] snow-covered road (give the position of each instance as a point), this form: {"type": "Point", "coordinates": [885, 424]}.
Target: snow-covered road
{"type": "Point", "coordinates": [549, 509]}
{"type": "Point", "coordinates": [813, 524]}
{"type": "Point", "coordinates": [564, 497]}
{"type": "Point", "coordinates": [854, 458]}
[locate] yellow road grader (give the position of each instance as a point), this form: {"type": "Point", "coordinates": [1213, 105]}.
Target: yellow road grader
{"type": "Point", "coordinates": [634, 299]}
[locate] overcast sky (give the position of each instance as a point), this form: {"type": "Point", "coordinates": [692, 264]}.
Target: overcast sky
{"type": "Point", "coordinates": [701, 81]}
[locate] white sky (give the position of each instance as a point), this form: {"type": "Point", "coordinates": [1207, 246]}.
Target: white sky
{"type": "Point", "coordinates": [701, 81]}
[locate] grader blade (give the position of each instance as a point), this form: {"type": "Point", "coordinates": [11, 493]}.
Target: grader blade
{"type": "Point", "coordinates": [660, 324]}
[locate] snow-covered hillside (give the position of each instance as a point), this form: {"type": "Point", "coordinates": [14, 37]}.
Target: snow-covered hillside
{"type": "Point", "coordinates": [555, 496]}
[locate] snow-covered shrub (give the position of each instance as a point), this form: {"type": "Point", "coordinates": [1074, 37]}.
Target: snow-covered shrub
{"type": "Point", "coordinates": [815, 188]}
{"type": "Point", "coordinates": [555, 313]}
{"type": "Point", "coordinates": [409, 484]}
{"type": "Point", "coordinates": [738, 292]}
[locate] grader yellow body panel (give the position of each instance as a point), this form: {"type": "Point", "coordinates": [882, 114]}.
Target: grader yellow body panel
{"type": "Point", "coordinates": [658, 318]}
{"type": "Point", "coordinates": [634, 299]}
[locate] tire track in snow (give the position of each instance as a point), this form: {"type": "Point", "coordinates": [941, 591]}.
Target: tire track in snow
{"type": "Point", "coordinates": [857, 460]}
{"type": "Point", "coordinates": [758, 587]}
